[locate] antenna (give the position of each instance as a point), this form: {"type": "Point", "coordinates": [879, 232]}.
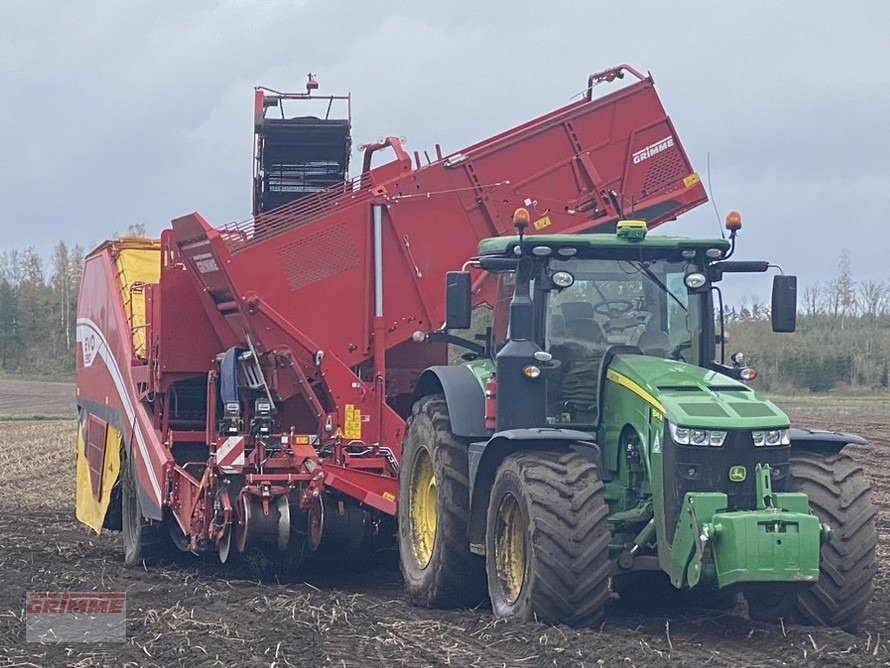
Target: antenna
{"type": "Point", "coordinates": [713, 199]}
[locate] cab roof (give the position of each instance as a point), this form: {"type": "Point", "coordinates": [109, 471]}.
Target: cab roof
{"type": "Point", "coordinates": [602, 245]}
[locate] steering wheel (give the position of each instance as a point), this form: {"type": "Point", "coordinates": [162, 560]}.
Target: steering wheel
{"type": "Point", "coordinates": [614, 308]}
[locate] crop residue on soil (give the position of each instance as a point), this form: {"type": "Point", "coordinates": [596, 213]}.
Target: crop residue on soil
{"type": "Point", "coordinates": [193, 612]}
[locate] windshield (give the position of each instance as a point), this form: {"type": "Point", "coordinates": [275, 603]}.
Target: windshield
{"type": "Point", "coordinates": [614, 302]}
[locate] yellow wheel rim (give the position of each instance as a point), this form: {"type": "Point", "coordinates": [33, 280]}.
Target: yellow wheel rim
{"type": "Point", "coordinates": [422, 508]}
{"type": "Point", "coordinates": [509, 547]}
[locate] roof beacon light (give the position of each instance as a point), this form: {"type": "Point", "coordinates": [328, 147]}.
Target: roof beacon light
{"type": "Point", "coordinates": [733, 221]}
{"type": "Point", "coordinates": [631, 230]}
{"type": "Point", "coordinates": [520, 221]}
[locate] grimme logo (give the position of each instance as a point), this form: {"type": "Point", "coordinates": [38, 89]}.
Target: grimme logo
{"type": "Point", "coordinates": [652, 149]}
{"type": "Point", "coordinates": [75, 616]}
{"type": "Point", "coordinates": [89, 345]}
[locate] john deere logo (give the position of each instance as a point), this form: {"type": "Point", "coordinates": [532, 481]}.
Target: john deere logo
{"type": "Point", "coordinates": [738, 473]}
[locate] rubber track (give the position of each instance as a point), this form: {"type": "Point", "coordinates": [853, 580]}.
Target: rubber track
{"type": "Point", "coordinates": [459, 578]}
{"type": "Point", "coordinates": [570, 536]}
{"type": "Point", "coordinates": [839, 494]}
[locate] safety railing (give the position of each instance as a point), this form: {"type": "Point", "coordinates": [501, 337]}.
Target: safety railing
{"type": "Point", "coordinates": [294, 214]}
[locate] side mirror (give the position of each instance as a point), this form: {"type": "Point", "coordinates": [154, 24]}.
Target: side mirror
{"type": "Point", "coordinates": [458, 300]}
{"type": "Point", "coordinates": [784, 303]}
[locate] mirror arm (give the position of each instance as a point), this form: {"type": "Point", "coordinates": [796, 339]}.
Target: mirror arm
{"type": "Point", "coordinates": [445, 337]}
{"type": "Point", "coordinates": [732, 236]}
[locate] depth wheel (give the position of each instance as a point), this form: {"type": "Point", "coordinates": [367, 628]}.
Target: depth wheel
{"type": "Point", "coordinates": [438, 568]}
{"type": "Point", "coordinates": [840, 496]}
{"type": "Point", "coordinates": [547, 539]}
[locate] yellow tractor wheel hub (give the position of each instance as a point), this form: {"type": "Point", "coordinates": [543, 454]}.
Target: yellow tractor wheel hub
{"type": "Point", "coordinates": [422, 508]}
{"type": "Point", "coordinates": [509, 547]}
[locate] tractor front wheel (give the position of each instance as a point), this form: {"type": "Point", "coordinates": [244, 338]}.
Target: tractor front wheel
{"type": "Point", "coordinates": [547, 539]}
{"type": "Point", "coordinates": [839, 495]}
{"type": "Point", "coordinates": [434, 505]}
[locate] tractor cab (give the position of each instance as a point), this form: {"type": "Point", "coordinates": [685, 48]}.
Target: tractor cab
{"type": "Point", "coordinates": [567, 304]}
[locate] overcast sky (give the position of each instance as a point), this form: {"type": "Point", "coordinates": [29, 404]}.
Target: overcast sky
{"type": "Point", "coordinates": [115, 113]}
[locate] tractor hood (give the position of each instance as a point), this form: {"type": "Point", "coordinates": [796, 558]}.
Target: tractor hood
{"type": "Point", "coordinates": [695, 397]}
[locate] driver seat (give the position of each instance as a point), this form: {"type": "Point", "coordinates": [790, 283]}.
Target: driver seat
{"type": "Point", "coordinates": [580, 323]}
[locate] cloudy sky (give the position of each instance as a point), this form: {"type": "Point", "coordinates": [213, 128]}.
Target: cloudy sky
{"type": "Point", "coordinates": [115, 113]}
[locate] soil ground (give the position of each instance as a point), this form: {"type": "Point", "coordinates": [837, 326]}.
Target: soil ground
{"type": "Point", "coordinates": [20, 397]}
{"type": "Point", "coordinates": [195, 613]}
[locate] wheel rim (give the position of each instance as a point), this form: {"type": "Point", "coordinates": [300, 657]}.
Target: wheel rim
{"type": "Point", "coordinates": [422, 508]}
{"type": "Point", "coordinates": [509, 547]}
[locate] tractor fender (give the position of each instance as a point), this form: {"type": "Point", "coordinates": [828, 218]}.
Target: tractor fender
{"type": "Point", "coordinates": [486, 456]}
{"type": "Point", "coordinates": [821, 440]}
{"type": "Point", "coordinates": [463, 394]}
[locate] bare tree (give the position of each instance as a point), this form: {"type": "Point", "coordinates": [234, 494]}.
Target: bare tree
{"type": "Point", "coordinates": [136, 230]}
{"type": "Point", "coordinates": [846, 287]}
{"type": "Point", "coordinates": [812, 299]}
{"type": "Point", "coordinates": [874, 297]}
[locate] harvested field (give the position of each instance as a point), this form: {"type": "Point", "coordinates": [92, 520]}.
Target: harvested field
{"type": "Point", "coordinates": [195, 613]}
{"type": "Point", "coordinates": [22, 398]}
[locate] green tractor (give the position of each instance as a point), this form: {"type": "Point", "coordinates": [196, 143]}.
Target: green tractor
{"type": "Point", "coordinates": [599, 442]}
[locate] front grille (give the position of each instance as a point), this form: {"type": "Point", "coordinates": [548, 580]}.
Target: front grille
{"type": "Point", "coordinates": [695, 468]}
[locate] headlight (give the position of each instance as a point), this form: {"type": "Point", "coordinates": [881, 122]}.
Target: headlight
{"type": "Point", "coordinates": [687, 436]}
{"type": "Point", "coordinates": [717, 438]}
{"type": "Point", "coordinates": [695, 280]}
{"type": "Point", "coordinates": [770, 437]}
{"type": "Point", "coordinates": [562, 279]}
{"type": "Point", "coordinates": [679, 434]}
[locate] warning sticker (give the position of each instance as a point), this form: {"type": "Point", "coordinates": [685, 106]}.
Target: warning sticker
{"type": "Point", "coordinates": [691, 180]}
{"type": "Point", "coordinates": [541, 223]}
{"type": "Point", "coordinates": [352, 429]}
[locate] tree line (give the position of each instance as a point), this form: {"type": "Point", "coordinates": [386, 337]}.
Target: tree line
{"type": "Point", "coordinates": [842, 339]}
{"type": "Point", "coordinates": [38, 310]}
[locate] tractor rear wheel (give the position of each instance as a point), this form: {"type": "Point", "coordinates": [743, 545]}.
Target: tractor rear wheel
{"type": "Point", "coordinates": [840, 496]}
{"type": "Point", "coordinates": [434, 504]}
{"type": "Point", "coordinates": [143, 541]}
{"type": "Point", "coordinates": [547, 539]}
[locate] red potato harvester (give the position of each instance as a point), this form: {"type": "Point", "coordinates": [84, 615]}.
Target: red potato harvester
{"type": "Point", "coordinates": [248, 387]}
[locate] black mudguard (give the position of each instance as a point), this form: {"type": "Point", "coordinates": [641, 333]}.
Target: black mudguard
{"type": "Point", "coordinates": [463, 394]}
{"type": "Point", "coordinates": [486, 456]}
{"type": "Point", "coordinates": [822, 440]}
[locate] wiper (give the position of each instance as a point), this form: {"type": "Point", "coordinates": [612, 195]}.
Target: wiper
{"type": "Point", "coordinates": [661, 285]}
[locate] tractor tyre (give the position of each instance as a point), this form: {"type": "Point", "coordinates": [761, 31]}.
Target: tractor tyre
{"type": "Point", "coordinates": [143, 541]}
{"type": "Point", "coordinates": [840, 496]}
{"type": "Point", "coordinates": [547, 539]}
{"type": "Point", "coordinates": [434, 505]}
